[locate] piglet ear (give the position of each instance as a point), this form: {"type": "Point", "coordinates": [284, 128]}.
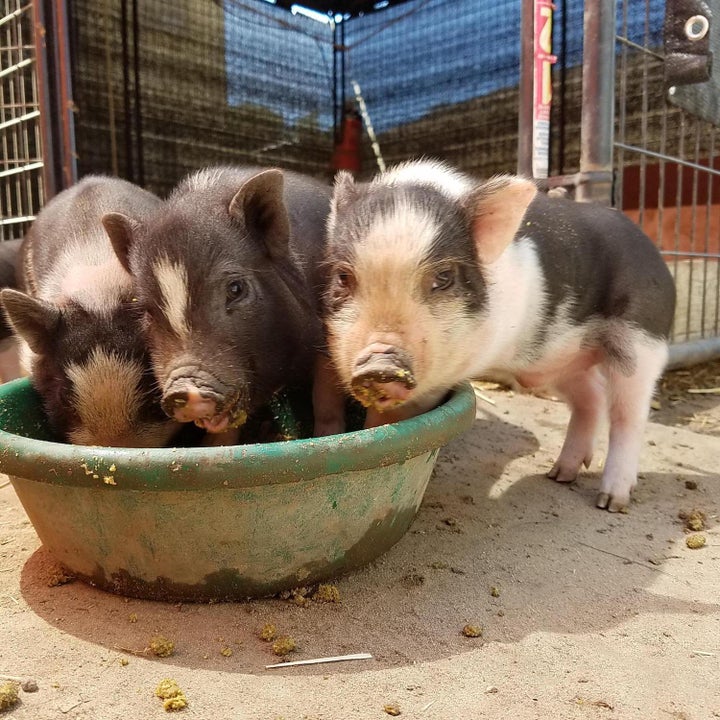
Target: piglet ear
{"type": "Point", "coordinates": [496, 211]}
{"type": "Point", "coordinates": [344, 192]}
{"type": "Point", "coordinates": [35, 321]}
{"type": "Point", "coordinates": [122, 231]}
{"type": "Point", "coordinates": [260, 208]}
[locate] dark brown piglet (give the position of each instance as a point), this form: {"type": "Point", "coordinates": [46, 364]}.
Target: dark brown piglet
{"type": "Point", "coordinates": [228, 274]}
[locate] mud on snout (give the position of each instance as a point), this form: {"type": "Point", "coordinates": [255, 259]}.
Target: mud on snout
{"type": "Point", "coordinates": [383, 377]}
{"type": "Point", "coordinates": [194, 394]}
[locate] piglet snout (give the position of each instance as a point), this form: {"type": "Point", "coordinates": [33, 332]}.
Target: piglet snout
{"type": "Point", "coordinates": [188, 404]}
{"type": "Point", "coordinates": [383, 377]}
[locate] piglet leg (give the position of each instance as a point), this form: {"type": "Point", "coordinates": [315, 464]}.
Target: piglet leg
{"type": "Point", "coordinates": [629, 401]}
{"type": "Point", "coordinates": [328, 398]}
{"type": "Point", "coordinates": [585, 394]}
{"type": "Point", "coordinates": [228, 437]}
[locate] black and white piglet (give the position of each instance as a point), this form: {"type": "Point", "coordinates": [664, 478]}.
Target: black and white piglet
{"type": "Point", "coordinates": [436, 278]}
{"type": "Point", "coordinates": [79, 323]}
{"type": "Point", "coordinates": [228, 274]}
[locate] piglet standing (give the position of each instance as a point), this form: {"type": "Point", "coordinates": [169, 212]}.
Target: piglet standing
{"type": "Point", "coordinates": [79, 322]}
{"type": "Point", "coordinates": [436, 278]}
{"type": "Point", "coordinates": [228, 275]}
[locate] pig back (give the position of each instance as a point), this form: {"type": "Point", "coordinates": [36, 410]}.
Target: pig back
{"type": "Point", "coordinates": [598, 263]}
{"type": "Point", "coordinates": [68, 232]}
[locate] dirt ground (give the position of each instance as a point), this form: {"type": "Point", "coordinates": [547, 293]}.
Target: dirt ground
{"type": "Point", "coordinates": [584, 614]}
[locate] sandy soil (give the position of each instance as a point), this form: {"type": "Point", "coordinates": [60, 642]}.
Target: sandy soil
{"type": "Point", "coordinates": [596, 615]}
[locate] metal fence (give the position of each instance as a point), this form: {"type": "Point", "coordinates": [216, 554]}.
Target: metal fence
{"type": "Point", "coordinates": [21, 163]}
{"type": "Point", "coordinates": [667, 178]}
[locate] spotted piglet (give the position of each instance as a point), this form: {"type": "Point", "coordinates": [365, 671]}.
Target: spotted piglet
{"type": "Point", "coordinates": [436, 278]}
{"type": "Point", "coordinates": [228, 276]}
{"type": "Point", "coordinates": [79, 325]}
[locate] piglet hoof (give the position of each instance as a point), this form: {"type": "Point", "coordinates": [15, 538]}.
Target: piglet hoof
{"type": "Point", "coordinates": [562, 474]}
{"type": "Point", "coordinates": [566, 470]}
{"type": "Point", "coordinates": [612, 503]}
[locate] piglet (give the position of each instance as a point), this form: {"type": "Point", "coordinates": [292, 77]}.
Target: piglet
{"type": "Point", "coordinates": [436, 278]}
{"type": "Point", "coordinates": [228, 277]}
{"type": "Point", "coordinates": [79, 323]}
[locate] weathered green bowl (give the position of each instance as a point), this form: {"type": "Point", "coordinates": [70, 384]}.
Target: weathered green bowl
{"type": "Point", "coordinates": [221, 523]}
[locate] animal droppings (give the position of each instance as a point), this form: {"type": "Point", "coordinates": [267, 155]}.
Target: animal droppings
{"type": "Point", "coordinates": [161, 646]}
{"type": "Point", "coordinates": [694, 519]}
{"type": "Point", "coordinates": [695, 542]}
{"type": "Point", "coordinates": [327, 594]}
{"type": "Point", "coordinates": [172, 696]}
{"type": "Point", "coordinates": [268, 632]}
{"type": "Point", "coordinates": [60, 577]}
{"type": "Point", "coordinates": [8, 694]}
{"type": "Point", "coordinates": [284, 646]}
{"type": "Point", "coordinates": [472, 631]}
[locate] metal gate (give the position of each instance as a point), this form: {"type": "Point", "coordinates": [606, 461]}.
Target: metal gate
{"type": "Point", "coordinates": [645, 145]}
{"type": "Point", "coordinates": [21, 164]}
{"type": "Point", "coordinates": [36, 110]}
{"type": "Point", "coordinates": [667, 163]}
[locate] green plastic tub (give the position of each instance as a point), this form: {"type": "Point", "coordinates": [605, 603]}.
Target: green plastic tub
{"type": "Point", "coordinates": [221, 523]}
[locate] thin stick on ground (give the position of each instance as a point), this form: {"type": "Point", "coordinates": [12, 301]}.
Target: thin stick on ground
{"type": "Point", "coordinates": [318, 661]}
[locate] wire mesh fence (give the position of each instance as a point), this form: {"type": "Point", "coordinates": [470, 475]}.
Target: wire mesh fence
{"type": "Point", "coordinates": [186, 84]}
{"type": "Point", "coordinates": [21, 162]}
{"type": "Point", "coordinates": [163, 88]}
{"type": "Point", "coordinates": [668, 171]}
{"type": "Point", "coordinates": [440, 78]}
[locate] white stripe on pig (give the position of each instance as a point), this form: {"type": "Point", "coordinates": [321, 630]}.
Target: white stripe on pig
{"type": "Point", "coordinates": [173, 282]}
{"type": "Point", "coordinates": [206, 178]}
{"type": "Point", "coordinates": [427, 172]}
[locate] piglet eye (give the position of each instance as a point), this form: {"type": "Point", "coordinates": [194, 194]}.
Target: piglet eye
{"type": "Point", "coordinates": [345, 279]}
{"type": "Point", "coordinates": [235, 289]}
{"type": "Point", "coordinates": [444, 279]}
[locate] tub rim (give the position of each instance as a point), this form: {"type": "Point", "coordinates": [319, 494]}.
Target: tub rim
{"type": "Point", "coordinates": [235, 466]}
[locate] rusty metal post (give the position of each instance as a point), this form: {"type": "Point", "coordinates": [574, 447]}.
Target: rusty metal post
{"type": "Point", "coordinates": [66, 106]}
{"type": "Point", "coordinates": [598, 103]}
{"type": "Point", "coordinates": [47, 150]}
{"type": "Point", "coordinates": [527, 71]}
{"type": "Point", "coordinates": [57, 123]}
